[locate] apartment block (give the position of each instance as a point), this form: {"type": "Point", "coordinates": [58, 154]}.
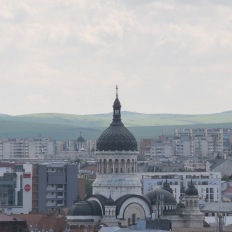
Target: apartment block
{"type": "Point", "coordinates": [208, 184]}
{"type": "Point", "coordinates": [32, 148]}
{"type": "Point", "coordinates": [189, 142]}
{"type": "Point", "coordinates": [57, 186]}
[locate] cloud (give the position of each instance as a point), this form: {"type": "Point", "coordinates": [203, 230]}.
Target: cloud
{"type": "Point", "coordinates": [72, 54]}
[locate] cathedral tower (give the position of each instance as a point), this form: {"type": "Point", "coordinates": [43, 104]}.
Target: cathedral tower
{"type": "Point", "coordinates": [117, 159]}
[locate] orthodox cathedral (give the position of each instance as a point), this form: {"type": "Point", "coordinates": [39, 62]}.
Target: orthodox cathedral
{"type": "Point", "coordinates": [117, 198]}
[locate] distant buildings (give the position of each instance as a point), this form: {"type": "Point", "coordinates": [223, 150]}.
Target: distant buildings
{"type": "Point", "coordinates": [27, 148]}
{"type": "Point", "coordinates": [188, 142]}
{"type": "Point", "coordinates": [44, 148]}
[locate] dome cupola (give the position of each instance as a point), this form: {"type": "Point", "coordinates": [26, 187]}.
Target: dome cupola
{"type": "Point", "coordinates": [80, 139]}
{"type": "Point", "coordinates": [191, 190]}
{"type": "Point", "coordinates": [116, 137]}
{"type": "Point", "coordinates": [85, 208]}
{"type": "Point", "coordinates": [110, 202]}
{"type": "Point", "coordinates": [166, 186]}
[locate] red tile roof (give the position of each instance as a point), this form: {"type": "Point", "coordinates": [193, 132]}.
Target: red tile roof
{"type": "Point", "coordinates": [56, 222]}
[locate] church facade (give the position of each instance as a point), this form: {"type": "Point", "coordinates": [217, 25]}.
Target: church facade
{"type": "Point", "coordinates": [117, 191]}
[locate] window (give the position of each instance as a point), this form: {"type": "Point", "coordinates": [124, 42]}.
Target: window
{"type": "Point", "coordinates": [116, 112]}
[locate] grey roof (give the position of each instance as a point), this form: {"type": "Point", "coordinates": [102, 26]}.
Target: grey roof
{"type": "Point", "coordinates": [168, 197]}
{"type": "Point", "coordinates": [217, 207]}
{"type": "Point", "coordinates": [217, 162]}
{"type": "Point", "coordinates": [101, 198]}
{"type": "Point", "coordinates": [85, 208]}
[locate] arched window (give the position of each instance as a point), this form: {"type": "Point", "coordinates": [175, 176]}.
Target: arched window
{"type": "Point", "coordinates": [191, 203]}
{"type": "Point", "coordinates": [195, 203]}
{"type": "Point", "coordinates": [129, 221]}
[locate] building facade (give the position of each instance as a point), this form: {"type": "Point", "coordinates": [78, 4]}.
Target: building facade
{"type": "Point", "coordinates": [15, 188]}
{"type": "Point", "coordinates": [56, 184]}
{"type": "Point", "coordinates": [208, 184]}
{"type": "Point", "coordinates": [27, 148]}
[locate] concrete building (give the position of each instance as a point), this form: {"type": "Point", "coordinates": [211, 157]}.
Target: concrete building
{"type": "Point", "coordinates": [208, 184]}
{"type": "Point", "coordinates": [162, 147]}
{"type": "Point", "coordinates": [199, 143]}
{"type": "Point", "coordinates": [56, 184]}
{"type": "Point", "coordinates": [31, 148]}
{"type": "Point", "coordinates": [15, 188]}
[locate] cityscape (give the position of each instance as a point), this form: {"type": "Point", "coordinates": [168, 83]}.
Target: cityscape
{"type": "Point", "coordinates": [181, 180]}
{"type": "Point", "coordinates": [115, 116]}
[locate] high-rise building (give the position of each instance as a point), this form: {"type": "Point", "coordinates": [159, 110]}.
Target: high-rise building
{"type": "Point", "coordinates": [55, 186]}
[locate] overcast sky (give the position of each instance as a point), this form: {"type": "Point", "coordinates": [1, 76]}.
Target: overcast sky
{"type": "Point", "coordinates": [67, 56]}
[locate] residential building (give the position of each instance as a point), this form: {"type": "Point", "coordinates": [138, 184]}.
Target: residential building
{"type": "Point", "coordinates": [56, 184]}
{"type": "Point", "coordinates": [208, 184]}
{"type": "Point", "coordinates": [27, 148]}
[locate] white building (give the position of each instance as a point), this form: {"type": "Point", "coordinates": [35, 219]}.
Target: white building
{"type": "Point", "coordinates": [16, 195]}
{"type": "Point", "coordinates": [208, 184]}
{"type": "Point", "coordinates": [32, 148]}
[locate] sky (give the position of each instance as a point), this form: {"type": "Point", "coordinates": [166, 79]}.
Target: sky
{"type": "Point", "coordinates": [172, 56]}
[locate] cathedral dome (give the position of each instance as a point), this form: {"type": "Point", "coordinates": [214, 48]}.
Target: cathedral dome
{"type": "Point", "coordinates": [117, 137]}
{"type": "Point", "coordinates": [191, 190]}
{"type": "Point", "coordinates": [110, 202]}
{"type": "Point", "coordinates": [85, 208]}
{"type": "Point", "coordinates": [166, 186]}
{"type": "Point", "coordinates": [80, 139]}
{"type": "Point", "coordinates": [168, 198]}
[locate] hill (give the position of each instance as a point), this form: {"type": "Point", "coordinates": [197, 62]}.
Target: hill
{"type": "Point", "coordinates": [68, 126]}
